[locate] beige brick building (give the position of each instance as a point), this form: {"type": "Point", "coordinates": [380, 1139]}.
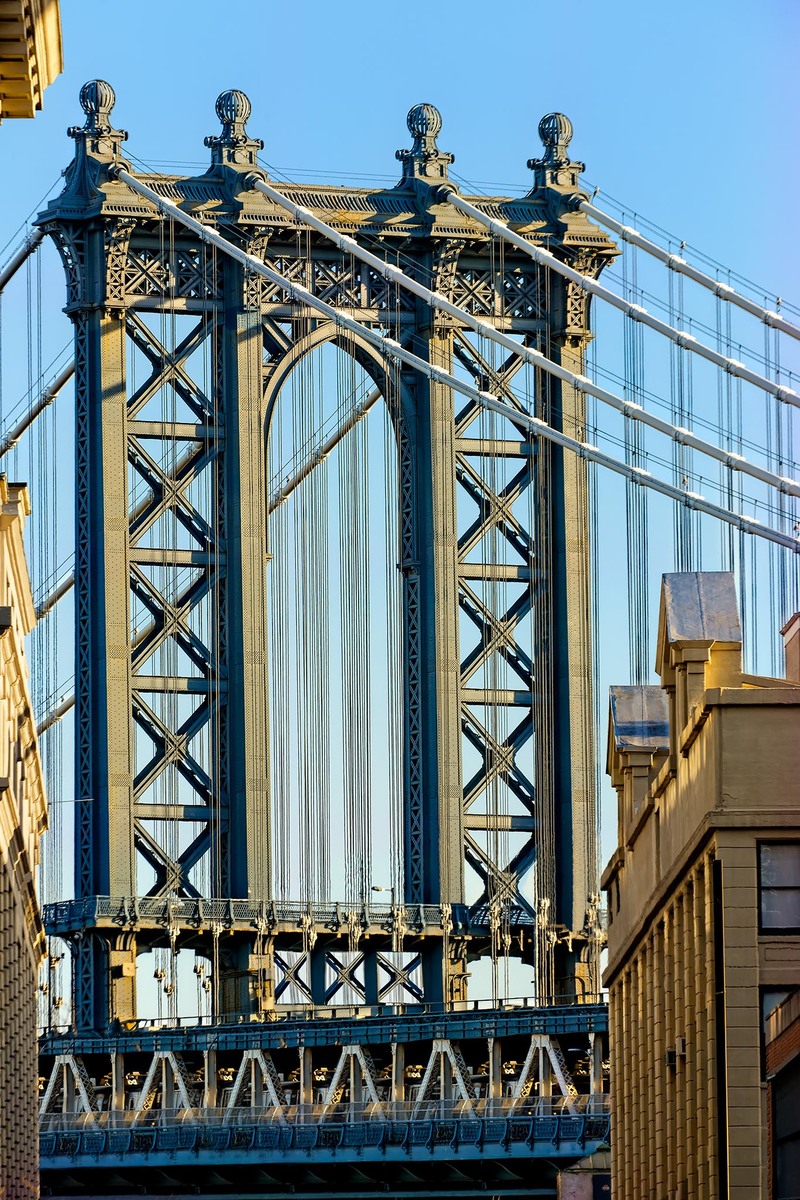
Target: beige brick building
{"type": "Point", "coordinates": [704, 902]}
{"type": "Point", "coordinates": [22, 820]}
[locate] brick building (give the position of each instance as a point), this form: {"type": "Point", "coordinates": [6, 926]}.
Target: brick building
{"type": "Point", "coordinates": [704, 902]}
{"type": "Point", "coordinates": [782, 1062]}
{"type": "Point", "coordinates": [22, 820]}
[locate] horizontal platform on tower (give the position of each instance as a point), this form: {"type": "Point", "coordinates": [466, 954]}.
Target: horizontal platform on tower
{"type": "Point", "coordinates": [156, 920]}
{"type": "Point", "coordinates": [336, 1026]}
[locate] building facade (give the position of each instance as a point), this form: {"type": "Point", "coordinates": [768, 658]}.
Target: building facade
{"type": "Point", "coordinates": [704, 902]}
{"type": "Point", "coordinates": [30, 54]}
{"type": "Point", "coordinates": [22, 820]}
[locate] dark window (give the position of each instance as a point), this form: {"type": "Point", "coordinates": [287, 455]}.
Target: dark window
{"type": "Point", "coordinates": [779, 881]}
{"type": "Point", "coordinates": [786, 1131]}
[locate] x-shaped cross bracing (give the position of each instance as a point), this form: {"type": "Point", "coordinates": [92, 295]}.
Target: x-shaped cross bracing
{"type": "Point", "coordinates": [169, 491]}
{"type": "Point", "coordinates": [497, 634]}
{"type": "Point", "coordinates": [172, 748]}
{"type": "Point", "coordinates": [168, 367]}
{"type": "Point", "coordinates": [171, 620]}
{"type": "Point", "coordinates": [172, 874]}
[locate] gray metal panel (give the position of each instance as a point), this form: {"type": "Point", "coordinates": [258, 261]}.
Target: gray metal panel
{"type": "Point", "coordinates": [701, 606]}
{"type": "Point", "coordinates": [639, 718]}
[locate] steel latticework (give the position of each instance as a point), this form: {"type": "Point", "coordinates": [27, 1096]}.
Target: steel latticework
{"type": "Point", "coordinates": [181, 355]}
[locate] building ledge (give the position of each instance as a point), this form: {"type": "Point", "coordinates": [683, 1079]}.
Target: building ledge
{"type": "Point", "coordinates": [612, 870]}
{"type": "Point", "coordinates": [30, 54]}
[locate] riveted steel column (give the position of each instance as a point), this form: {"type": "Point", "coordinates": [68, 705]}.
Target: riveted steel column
{"type": "Point", "coordinates": [104, 777]}
{"type": "Point", "coordinates": [442, 835]}
{"type": "Point", "coordinates": [246, 847]}
{"type": "Point", "coordinates": [573, 751]}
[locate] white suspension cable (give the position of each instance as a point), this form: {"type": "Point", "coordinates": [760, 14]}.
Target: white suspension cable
{"type": "Point", "coordinates": [682, 267]}
{"type": "Point", "coordinates": [394, 349]}
{"type": "Point", "coordinates": [635, 411]}
{"type": "Point", "coordinates": [48, 604]}
{"type": "Point", "coordinates": [47, 397]}
{"type": "Point", "coordinates": [56, 715]}
{"type": "Point", "coordinates": [679, 336]}
{"type": "Point", "coordinates": [25, 251]}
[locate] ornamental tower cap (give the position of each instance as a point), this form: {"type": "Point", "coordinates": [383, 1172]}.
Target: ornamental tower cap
{"type": "Point", "coordinates": [97, 139]}
{"type": "Point", "coordinates": [233, 147]}
{"type": "Point", "coordinates": [555, 130]}
{"type": "Point", "coordinates": [424, 123]}
{"type": "Point", "coordinates": [97, 98]}
{"type": "Point", "coordinates": [555, 169]}
{"type": "Point", "coordinates": [233, 109]}
{"type": "Point", "coordinates": [424, 161]}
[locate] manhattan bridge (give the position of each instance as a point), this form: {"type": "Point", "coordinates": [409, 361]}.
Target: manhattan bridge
{"type": "Point", "coordinates": [354, 467]}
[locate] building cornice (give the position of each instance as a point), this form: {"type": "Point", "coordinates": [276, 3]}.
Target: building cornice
{"type": "Point", "coordinates": [30, 54]}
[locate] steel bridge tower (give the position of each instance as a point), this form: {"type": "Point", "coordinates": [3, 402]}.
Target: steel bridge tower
{"type": "Point", "coordinates": [181, 495]}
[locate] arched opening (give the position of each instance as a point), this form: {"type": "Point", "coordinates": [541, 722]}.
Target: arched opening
{"type": "Point", "coordinates": [335, 625]}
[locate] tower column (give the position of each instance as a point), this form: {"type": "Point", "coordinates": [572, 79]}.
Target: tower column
{"type": "Point", "coordinates": [245, 855]}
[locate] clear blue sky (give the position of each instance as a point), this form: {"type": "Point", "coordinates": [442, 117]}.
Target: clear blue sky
{"type": "Point", "coordinates": [687, 112]}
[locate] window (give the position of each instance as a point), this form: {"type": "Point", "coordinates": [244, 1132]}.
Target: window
{"type": "Point", "coordinates": [779, 883]}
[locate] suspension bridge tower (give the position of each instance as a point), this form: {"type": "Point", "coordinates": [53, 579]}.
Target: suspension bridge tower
{"type": "Point", "coordinates": [184, 353]}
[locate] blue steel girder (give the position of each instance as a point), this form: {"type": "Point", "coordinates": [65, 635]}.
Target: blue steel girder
{"type": "Point", "coordinates": [497, 378]}
{"type": "Point", "coordinates": [345, 976]}
{"type": "Point", "coordinates": [189, 459]}
{"type": "Point", "coordinates": [172, 874]}
{"type": "Point", "coordinates": [171, 620]}
{"type": "Point", "coordinates": [292, 976]}
{"type": "Point", "coordinates": [497, 634]}
{"type": "Point", "coordinates": [494, 509]}
{"type": "Point", "coordinates": [172, 749]}
{"type": "Point", "coordinates": [499, 759]}
{"type": "Point", "coordinates": [498, 527]}
{"type": "Point", "coordinates": [501, 884]}
{"type": "Point", "coordinates": [484, 1146]}
{"type": "Point", "coordinates": [397, 975]}
{"type": "Point", "coordinates": [167, 366]}
{"type": "Point", "coordinates": [169, 490]}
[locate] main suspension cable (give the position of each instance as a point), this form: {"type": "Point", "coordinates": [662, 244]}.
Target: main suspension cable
{"type": "Point", "coordinates": [675, 263]}
{"type": "Point", "coordinates": [31, 243]}
{"type": "Point", "coordinates": [535, 357]}
{"type": "Point", "coordinates": [679, 336]}
{"type": "Point", "coordinates": [393, 349]}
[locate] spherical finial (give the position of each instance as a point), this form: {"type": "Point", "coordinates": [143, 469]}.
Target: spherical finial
{"type": "Point", "coordinates": [233, 107]}
{"type": "Point", "coordinates": [555, 130]}
{"type": "Point", "coordinates": [424, 121]}
{"type": "Point", "coordinates": [97, 98]}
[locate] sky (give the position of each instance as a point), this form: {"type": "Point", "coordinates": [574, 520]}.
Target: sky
{"type": "Point", "coordinates": [686, 113]}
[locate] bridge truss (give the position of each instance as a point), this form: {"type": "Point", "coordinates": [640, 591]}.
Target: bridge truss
{"type": "Point", "coordinates": [211, 778]}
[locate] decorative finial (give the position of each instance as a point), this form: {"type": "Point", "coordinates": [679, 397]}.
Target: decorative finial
{"type": "Point", "coordinates": [97, 139]}
{"type": "Point", "coordinates": [233, 147]}
{"type": "Point", "coordinates": [555, 130]}
{"type": "Point", "coordinates": [97, 100]}
{"type": "Point", "coordinates": [233, 109]}
{"type": "Point", "coordinates": [424, 160]}
{"type": "Point", "coordinates": [555, 168]}
{"type": "Point", "coordinates": [424, 123]}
